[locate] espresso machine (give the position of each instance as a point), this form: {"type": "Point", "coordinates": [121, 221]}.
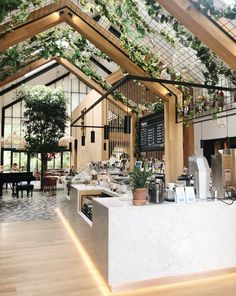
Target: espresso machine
{"type": "Point", "coordinates": [223, 168]}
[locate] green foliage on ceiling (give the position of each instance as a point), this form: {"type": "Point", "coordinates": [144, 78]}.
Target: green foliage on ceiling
{"type": "Point", "coordinates": [7, 6]}
{"type": "Point", "coordinates": [208, 7]}
{"type": "Point", "coordinates": [58, 42]}
{"type": "Point", "coordinates": [125, 16]}
{"type": "Point", "coordinates": [213, 103]}
{"type": "Point", "coordinates": [214, 66]}
{"type": "Point", "coordinates": [133, 28]}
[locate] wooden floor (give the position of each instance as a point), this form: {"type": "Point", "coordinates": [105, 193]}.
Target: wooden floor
{"type": "Point", "coordinates": [40, 258]}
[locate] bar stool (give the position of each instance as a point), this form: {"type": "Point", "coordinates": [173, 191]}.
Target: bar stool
{"type": "Point", "coordinates": [24, 187]}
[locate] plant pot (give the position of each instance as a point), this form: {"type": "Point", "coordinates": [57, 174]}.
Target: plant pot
{"type": "Point", "coordinates": [140, 197]}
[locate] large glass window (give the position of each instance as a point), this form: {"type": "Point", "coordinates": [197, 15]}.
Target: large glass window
{"type": "Point", "coordinates": [14, 135]}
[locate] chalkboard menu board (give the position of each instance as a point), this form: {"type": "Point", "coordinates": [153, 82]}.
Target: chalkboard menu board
{"type": "Point", "coordinates": [151, 132]}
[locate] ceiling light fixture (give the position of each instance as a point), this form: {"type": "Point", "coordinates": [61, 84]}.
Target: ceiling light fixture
{"type": "Point", "coordinates": [31, 73]}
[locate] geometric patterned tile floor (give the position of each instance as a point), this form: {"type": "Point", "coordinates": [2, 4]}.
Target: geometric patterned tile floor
{"type": "Point", "coordinates": [37, 207]}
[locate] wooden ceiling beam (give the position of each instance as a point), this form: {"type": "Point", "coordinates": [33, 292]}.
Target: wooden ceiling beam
{"type": "Point", "coordinates": [197, 23]}
{"type": "Point", "coordinates": [115, 76]}
{"type": "Point", "coordinates": [114, 52]}
{"type": "Point", "coordinates": [89, 82]}
{"type": "Point", "coordinates": [89, 29]}
{"type": "Point", "coordinates": [31, 29]}
{"type": "Point", "coordinates": [72, 69]}
{"type": "Point", "coordinates": [80, 75]}
{"type": "Point", "coordinates": [32, 66]}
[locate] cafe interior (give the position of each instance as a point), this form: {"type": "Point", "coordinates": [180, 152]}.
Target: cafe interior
{"type": "Point", "coordinates": [101, 101]}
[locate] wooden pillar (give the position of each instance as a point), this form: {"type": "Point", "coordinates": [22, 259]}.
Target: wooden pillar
{"type": "Point", "coordinates": [188, 142]}
{"type": "Point", "coordinates": [173, 143]}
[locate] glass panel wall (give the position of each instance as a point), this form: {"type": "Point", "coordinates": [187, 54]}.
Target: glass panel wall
{"type": "Point", "coordinates": [13, 132]}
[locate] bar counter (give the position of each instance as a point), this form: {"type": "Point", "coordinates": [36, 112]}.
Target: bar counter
{"type": "Point", "coordinates": [140, 245]}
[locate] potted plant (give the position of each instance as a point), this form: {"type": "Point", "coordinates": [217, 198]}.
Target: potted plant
{"type": "Point", "coordinates": [139, 180]}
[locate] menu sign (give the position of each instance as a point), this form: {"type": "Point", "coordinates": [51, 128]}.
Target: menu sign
{"type": "Point", "coordinates": [151, 131]}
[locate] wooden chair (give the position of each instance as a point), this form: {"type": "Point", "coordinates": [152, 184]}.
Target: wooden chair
{"type": "Point", "coordinates": [49, 185]}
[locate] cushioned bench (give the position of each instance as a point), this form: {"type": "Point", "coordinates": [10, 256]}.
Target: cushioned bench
{"type": "Point", "coordinates": [24, 187]}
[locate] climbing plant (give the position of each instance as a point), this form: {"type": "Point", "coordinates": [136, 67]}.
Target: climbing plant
{"type": "Point", "coordinates": [125, 16]}
{"type": "Point", "coordinates": [58, 42]}
{"type": "Point", "coordinates": [214, 66]}
{"type": "Point", "coordinates": [7, 6]}
{"type": "Point", "coordinates": [208, 7]}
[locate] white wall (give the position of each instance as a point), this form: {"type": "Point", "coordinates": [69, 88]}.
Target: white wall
{"type": "Point", "coordinates": [91, 151]}
{"type": "Point", "coordinates": [72, 86]}
{"type": "Point", "coordinates": [75, 89]}
{"type": "Point", "coordinates": [214, 129]}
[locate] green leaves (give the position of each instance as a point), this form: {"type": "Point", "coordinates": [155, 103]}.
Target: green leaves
{"type": "Point", "coordinates": [46, 117]}
{"type": "Point", "coordinates": [209, 8]}
{"type": "Point", "coordinates": [139, 178]}
{"type": "Point", "coordinates": [7, 6]}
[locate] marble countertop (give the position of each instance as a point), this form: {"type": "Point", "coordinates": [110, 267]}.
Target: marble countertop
{"type": "Point", "coordinates": [115, 202]}
{"type": "Point", "coordinates": [170, 239]}
{"type": "Point", "coordinates": [83, 187]}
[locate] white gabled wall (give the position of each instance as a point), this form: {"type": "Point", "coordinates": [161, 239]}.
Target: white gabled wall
{"type": "Point", "coordinates": [91, 151]}
{"type": "Point", "coordinates": [214, 129]}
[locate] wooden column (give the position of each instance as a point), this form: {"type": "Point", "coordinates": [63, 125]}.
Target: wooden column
{"type": "Point", "coordinates": [173, 143]}
{"type": "Point", "coordinates": [188, 142]}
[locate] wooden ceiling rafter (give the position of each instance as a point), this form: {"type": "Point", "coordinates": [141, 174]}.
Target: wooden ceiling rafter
{"type": "Point", "coordinates": [199, 25]}
{"type": "Point", "coordinates": [88, 81]}
{"type": "Point", "coordinates": [86, 26]}
{"type": "Point", "coordinates": [30, 67]}
{"type": "Point", "coordinates": [71, 68]}
{"type": "Point", "coordinates": [31, 29]}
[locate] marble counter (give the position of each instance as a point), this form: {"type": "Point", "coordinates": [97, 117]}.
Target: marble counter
{"type": "Point", "coordinates": [130, 243]}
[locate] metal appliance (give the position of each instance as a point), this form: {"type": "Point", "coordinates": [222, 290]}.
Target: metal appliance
{"type": "Point", "coordinates": [199, 169]}
{"type": "Point", "coordinates": [223, 167]}
{"type": "Point", "coordinates": [185, 179]}
{"type": "Point", "coordinates": [156, 191]}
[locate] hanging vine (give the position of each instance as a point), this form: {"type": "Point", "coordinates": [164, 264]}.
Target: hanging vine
{"type": "Point", "coordinates": [215, 67]}
{"type": "Point", "coordinates": [7, 6]}
{"type": "Point", "coordinates": [208, 7]}
{"type": "Point", "coordinates": [59, 42]}
{"type": "Point", "coordinates": [125, 16]}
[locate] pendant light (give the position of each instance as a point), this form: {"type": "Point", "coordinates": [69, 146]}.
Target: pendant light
{"type": "Point", "coordinates": [92, 137]}
{"type": "Point", "coordinates": [83, 139]}
{"type": "Point", "coordinates": [227, 140]}
{"type": "Point", "coordinates": [83, 135]}
{"type": "Point", "coordinates": [106, 132]}
{"type": "Point", "coordinates": [92, 133]}
{"type": "Point", "coordinates": [127, 122]}
{"type": "Point", "coordinates": [106, 127]}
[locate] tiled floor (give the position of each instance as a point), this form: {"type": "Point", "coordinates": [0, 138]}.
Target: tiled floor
{"type": "Point", "coordinates": [38, 207]}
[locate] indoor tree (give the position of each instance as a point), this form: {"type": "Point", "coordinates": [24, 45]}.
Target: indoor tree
{"type": "Point", "coordinates": [46, 118]}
